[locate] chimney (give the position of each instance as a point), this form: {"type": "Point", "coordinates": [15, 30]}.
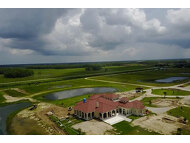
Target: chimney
{"type": "Point", "coordinates": [97, 104]}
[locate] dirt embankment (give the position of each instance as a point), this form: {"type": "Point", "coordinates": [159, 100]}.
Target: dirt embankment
{"type": "Point", "coordinates": [39, 119]}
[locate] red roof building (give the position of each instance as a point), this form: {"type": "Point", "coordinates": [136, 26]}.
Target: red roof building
{"type": "Point", "coordinates": [106, 105]}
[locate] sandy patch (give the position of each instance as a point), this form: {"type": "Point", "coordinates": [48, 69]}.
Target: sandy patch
{"type": "Point", "coordinates": [93, 127]}
{"type": "Point", "coordinates": [163, 124]}
{"type": "Point", "coordinates": [165, 102]}
{"type": "Point", "coordinates": [129, 94]}
{"type": "Point", "coordinates": [14, 99]}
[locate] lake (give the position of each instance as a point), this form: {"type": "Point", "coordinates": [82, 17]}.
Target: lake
{"type": "Point", "coordinates": [6, 110]}
{"type": "Point", "coordinates": [77, 92]}
{"type": "Point", "coordinates": [171, 79]}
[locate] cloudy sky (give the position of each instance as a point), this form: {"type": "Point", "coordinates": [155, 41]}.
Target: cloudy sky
{"type": "Point", "coordinates": [78, 35]}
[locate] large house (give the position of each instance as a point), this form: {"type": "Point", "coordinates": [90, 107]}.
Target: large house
{"type": "Point", "coordinates": [103, 106]}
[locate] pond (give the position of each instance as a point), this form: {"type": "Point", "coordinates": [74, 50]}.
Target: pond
{"type": "Point", "coordinates": [6, 110]}
{"type": "Point", "coordinates": [77, 92]}
{"type": "Point", "coordinates": [171, 79]}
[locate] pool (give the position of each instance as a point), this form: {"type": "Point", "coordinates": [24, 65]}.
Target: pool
{"type": "Point", "coordinates": [6, 110]}
{"type": "Point", "coordinates": [77, 92]}
{"type": "Point", "coordinates": [170, 79]}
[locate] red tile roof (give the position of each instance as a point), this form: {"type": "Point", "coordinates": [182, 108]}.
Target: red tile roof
{"type": "Point", "coordinates": [104, 105]}
{"type": "Point", "coordinates": [134, 104]}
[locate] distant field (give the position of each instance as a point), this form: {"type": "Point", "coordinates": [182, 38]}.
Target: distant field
{"type": "Point", "coordinates": [170, 92]}
{"type": "Point", "coordinates": [52, 73]}
{"type": "Point", "coordinates": [124, 128]}
{"type": "Point", "coordinates": [146, 77]}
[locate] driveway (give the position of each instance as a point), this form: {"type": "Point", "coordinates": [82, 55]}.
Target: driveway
{"type": "Point", "coordinates": [116, 119]}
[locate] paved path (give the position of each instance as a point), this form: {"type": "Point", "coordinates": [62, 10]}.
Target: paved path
{"type": "Point", "coordinates": [118, 82]}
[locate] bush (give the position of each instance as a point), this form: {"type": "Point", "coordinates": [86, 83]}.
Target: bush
{"type": "Point", "coordinates": [18, 73]}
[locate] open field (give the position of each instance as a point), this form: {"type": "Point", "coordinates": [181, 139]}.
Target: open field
{"type": "Point", "coordinates": [54, 73]}
{"type": "Point", "coordinates": [170, 91]}
{"type": "Point", "coordinates": [146, 77]}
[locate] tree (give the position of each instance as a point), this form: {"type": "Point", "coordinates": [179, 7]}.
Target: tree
{"type": "Point", "coordinates": [165, 94]}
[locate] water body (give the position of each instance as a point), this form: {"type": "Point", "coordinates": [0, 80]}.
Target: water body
{"type": "Point", "coordinates": [77, 92]}
{"type": "Point", "coordinates": [171, 79]}
{"type": "Point", "coordinates": [5, 111]}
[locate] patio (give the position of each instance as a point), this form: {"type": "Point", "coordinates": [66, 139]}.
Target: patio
{"type": "Point", "coordinates": [116, 119]}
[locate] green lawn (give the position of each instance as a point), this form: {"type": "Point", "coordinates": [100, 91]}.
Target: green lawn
{"type": "Point", "coordinates": [14, 93]}
{"type": "Point", "coordinates": [146, 77]}
{"type": "Point", "coordinates": [170, 91]}
{"type": "Point", "coordinates": [2, 99]}
{"type": "Point", "coordinates": [124, 128]}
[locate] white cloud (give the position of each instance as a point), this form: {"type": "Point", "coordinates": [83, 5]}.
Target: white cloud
{"type": "Point", "coordinates": [20, 51]}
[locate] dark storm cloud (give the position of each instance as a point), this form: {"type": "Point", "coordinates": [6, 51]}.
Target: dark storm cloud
{"type": "Point", "coordinates": [95, 34]}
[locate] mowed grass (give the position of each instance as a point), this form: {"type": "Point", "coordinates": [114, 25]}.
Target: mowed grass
{"type": "Point", "coordinates": [124, 128]}
{"type": "Point", "coordinates": [170, 91]}
{"type": "Point", "coordinates": [14, 93]}
{"type": "Point", "coordinates": [146, 77]}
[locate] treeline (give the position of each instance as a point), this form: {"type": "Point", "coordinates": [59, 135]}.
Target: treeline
{"type": "Point", "coordinates": [16, 72]}
{"type": "Point", "coordinates": [93, 67]}
{"type": "Point", "coordinates": [64, 65]}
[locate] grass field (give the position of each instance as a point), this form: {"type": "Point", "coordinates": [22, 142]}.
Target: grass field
{"type": "Point", "coordinates": [14, 93]}
{"type": "Point", "coordinates": [170, 91]}
{"type": "Point", "coordinates": [52, 73]}
{"type": "Point", "coordinates": [146, 77]}
{"type": "Point", "coordinates": [2, 99]}
{"type": "Point", "coordinates": [78, 83]}
{"type": "Point", "coordinates": [124, 128]}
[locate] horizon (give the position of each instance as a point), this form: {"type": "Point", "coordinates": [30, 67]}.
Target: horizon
{"type": "Point", "coordinates": [181, 59]}
{"type": "Point", "coordinates": [36, 36]}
